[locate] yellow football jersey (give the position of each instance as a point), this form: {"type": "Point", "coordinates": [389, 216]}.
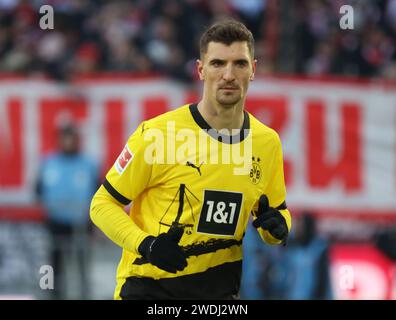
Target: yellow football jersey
{"type": "Point", "coordinates": [176, 170]}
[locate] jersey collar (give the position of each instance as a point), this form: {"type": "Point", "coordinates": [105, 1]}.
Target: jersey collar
{"type": "Point", "coordinates": [244, 131]}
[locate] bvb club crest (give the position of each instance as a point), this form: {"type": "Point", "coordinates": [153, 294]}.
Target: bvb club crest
{"type": "Point", "coordinates": [255, 171]}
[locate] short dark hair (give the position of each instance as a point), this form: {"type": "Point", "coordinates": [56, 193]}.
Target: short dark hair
{"type": "Point", "coordinates": [227, 32]}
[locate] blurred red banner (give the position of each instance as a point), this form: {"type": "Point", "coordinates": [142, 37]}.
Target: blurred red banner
{"type": "Point", "coordinates": [339, 138]}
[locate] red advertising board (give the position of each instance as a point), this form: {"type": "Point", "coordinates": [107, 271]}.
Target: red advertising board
{"type": "Point", "coordinates": [339, 139]}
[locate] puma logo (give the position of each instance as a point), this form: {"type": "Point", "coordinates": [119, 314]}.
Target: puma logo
{"type": "Point", "coordinates": [192, 165]}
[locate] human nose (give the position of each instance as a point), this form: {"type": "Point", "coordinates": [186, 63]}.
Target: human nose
{"type": "Point", "coordinates": [228, 74]}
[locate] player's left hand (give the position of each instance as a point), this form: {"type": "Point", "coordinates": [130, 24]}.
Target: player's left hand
{"type": "Point", "coordinates": [271, 220]}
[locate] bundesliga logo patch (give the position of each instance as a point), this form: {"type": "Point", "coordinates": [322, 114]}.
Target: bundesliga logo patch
{"type": "Point", "coordinates": [123, 160]}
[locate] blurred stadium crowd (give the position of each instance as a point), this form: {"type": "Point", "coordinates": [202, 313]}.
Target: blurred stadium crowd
{"type": "Point", "coordinates": [161, 36]}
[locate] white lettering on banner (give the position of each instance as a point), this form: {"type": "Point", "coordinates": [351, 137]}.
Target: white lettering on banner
{"type": "Point", "coordinates": [336, 178]}
{"type": "Point", "coordinates": [338, 139]}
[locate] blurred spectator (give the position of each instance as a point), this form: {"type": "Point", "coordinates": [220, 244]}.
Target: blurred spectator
{"type": "Point", "coordinates": [385, 240]}
{"type": "Point", "coordinates": [85, 59]}
{"type": "Point", "coordinates": [298, 271]}
{"type": "Point", "coordinates": [251, 12]}
{"type": "Point", "coordinates": [161, 35]}
{"type": "Point", "coordinates": [321, 62]}
{"type": "Point", "coordinates": [367, 50]}
{"type": "Point", "coordinates": [256, 264]}
{"type": "Point", "coordinates": [306, 262]}
{"type": "Point", "coordinates": [389, 70]}
{"type": "Point", "coordinates": [65, 186]}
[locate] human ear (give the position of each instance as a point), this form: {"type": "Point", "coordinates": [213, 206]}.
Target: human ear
{"type": "Point", "coordinates": [254, 70]}
{"type": "Point", "coordinates": [199, 65]}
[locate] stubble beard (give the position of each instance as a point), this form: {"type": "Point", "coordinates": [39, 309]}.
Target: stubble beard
{"type": "Point", "coordinates": [228, 100]}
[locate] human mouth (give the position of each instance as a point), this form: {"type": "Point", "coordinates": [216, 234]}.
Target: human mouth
{"type": "Point", "coordinates": [229, 88]}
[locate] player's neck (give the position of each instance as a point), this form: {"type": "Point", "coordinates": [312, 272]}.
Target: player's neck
{"type": "Point", "coordinates": [219, 117]}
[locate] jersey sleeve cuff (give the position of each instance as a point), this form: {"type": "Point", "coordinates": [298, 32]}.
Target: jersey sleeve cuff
{"type": "Point", "coordinates": [270, 239]}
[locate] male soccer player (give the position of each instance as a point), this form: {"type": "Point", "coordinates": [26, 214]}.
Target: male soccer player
{"type": "Point", "coordinates": [194, 175]}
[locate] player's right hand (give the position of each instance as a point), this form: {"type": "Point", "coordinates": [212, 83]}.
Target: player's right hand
{"type": "Point", "coordinates": [164, 252]}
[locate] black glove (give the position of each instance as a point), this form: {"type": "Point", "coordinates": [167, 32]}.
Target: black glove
{"type": "Point", "coordinates": [164, 252]}
{"type": "Point", "coordinates": [271, 219]}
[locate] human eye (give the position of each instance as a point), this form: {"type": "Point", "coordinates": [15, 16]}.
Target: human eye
{"type": "Point", "coordinates": [216, 63]}
{"type": "Point", "coordinates": [241, 63]}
